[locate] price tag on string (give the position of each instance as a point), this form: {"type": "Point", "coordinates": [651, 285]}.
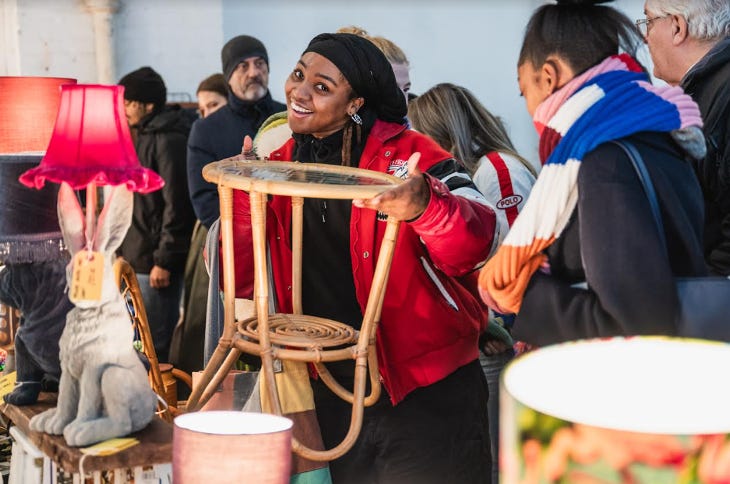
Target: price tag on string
{"type": "Point", "coordinates": [86, 278]}
{"type": "Point", "coordinates": [7, 383]}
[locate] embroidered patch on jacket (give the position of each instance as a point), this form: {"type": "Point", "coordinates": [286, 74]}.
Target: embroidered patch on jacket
{"type": "Point", "coordinates": [398, 168]}
{"type": "Point", "coordinates": [508, 202]}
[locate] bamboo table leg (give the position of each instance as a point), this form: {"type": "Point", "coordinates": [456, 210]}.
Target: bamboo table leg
{"type": "Point", "coordinates": [225, 355]}
{"type": "Point", "coordinates": [296, 336]}
{"type": "Point", "coordinates": [261, 293]}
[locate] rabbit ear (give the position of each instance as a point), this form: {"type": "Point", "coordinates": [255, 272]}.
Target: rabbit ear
{"type": "Point", "coordinates": [71, 219]}
{"type": "Point", "coordinates": [114, 220]}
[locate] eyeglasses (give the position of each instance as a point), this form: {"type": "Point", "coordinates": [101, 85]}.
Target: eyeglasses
{"type": "Point", "coordinates": [643, 24]}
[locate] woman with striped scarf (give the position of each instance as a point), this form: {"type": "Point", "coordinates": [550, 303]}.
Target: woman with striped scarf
{"type": "Point", "coordinates": [587, 218]}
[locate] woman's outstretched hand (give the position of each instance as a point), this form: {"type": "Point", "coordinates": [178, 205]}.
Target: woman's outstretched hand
{"type": "Point", "coordinates": [406, 201]}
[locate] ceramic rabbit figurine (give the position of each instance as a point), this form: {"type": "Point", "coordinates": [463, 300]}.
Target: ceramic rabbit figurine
{"type": "Point", "coordinates": [103, 391]}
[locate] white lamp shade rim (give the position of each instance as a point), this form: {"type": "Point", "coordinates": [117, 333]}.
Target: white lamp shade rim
{"type": "Point", "coordinates": [223, 422]}
{"type": "Point", "coordinates": [652, 385]}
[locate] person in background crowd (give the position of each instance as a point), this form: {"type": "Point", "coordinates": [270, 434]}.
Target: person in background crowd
{"type": "Point", "coordinates": [431, 424]}
{"type": "Point", "coordinates": [212, 94]}
{"type": "Point", "coordinates": [185, 350]}
{"type": "Point", "coordinates": [461, 125]}
{"type": "Point", "coordinates": [689, 43]}
{"type": "Point", "coordinates": [158, 240]}
{"type": "Point", "coordinates": [245, 65]}
{"type": "Point", "coordinates": [588, 219]}
{"type": "Point", "coordinates": [394, 54]}
{"type": "Point", "coordinates": [246, 69]}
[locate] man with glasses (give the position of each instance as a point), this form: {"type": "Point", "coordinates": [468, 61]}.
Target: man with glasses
{"type": "Point", "coordinates": [689, 43]}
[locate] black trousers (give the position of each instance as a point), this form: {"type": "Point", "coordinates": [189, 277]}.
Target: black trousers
{"type": "Point", "coordinates": [438, 434]}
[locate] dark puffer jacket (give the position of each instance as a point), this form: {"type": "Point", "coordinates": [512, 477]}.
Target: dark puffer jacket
{"type": "Point", "coordinates": [219, 136]}
{"type": "Point", "coordinates": [708, 82]}
{"type": "Point", "coordinates": [162, 221]}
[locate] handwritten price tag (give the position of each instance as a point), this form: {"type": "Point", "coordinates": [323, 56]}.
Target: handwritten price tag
{"type": "Point", "coordinates": [109, 447]}
{"type": "Point", "coordinates": [88, 269]}
{"type": "Point", "coordinates": [7, 383]}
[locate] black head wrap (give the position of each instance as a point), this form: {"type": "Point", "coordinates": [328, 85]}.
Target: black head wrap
{"type": "Point", "coordinates": [367, 70]}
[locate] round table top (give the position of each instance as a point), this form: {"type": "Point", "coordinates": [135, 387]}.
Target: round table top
{"type": "Point", "coordinates": [299, 179]}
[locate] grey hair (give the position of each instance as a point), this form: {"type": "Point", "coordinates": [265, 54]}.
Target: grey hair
{"type": "Point", "coordinates": [706, 19]}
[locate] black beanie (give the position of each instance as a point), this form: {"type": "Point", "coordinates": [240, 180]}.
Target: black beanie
{"type": "Point", "coordinates": [239, 49]}
{"type": "Point", "coordinates": [367, 70]}
{"type": "Point", "coordinates": [146, 86]}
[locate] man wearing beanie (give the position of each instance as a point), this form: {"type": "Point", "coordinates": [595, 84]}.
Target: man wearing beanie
{"type": "Point", "coordinates": [158, 240]}
{"type": "Point", "coordinates": [245, 65]}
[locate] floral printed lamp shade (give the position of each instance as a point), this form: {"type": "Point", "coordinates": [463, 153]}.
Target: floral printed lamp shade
{"type": "Point", "coordinates": [645, 410]}
{"type": "Point", "coordinates": [91, 143]}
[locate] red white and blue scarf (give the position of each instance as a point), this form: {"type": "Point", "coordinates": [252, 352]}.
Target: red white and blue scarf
{"type": "Point", "coordinates": [612, 100]}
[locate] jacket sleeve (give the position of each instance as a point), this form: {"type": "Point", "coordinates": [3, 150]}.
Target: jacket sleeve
{"type": "Point", "coordinates": [177, 215]}
{"type": "Point", "coordinates": [242, 246]}
{"type": "Point", "coordinates": [630, 284]}
{"type": "Point", "coordinates": [458, 225]}
{"type": "Point", "coordinates": [718, 257]}
{"type": "Point", "coordinates": [203, 194]}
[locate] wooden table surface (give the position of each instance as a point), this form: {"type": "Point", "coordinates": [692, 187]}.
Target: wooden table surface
{"type": "Point", "coordinates": [155, 445]}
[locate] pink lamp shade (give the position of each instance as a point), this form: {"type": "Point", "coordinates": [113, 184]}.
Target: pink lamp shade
{"type": "Point", "coordinates": [28, 107]}
{"type": "Point", "coordinates": [230, 446]}
{"type": "Point", "coordinates": [91, 143]}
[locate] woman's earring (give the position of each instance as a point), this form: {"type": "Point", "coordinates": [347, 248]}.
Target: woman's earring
{"type": "Point", "coordinates": [356, 118]}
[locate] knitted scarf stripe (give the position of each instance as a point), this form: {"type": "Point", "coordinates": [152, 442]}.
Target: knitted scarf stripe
{"type": "Point", "coordinates": [610, 101]}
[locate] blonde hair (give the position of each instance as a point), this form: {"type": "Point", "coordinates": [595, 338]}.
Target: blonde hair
{"type": "Point", "coordinates": [393, 53]}
{"type": "Point", "coordinates": [460, 124]}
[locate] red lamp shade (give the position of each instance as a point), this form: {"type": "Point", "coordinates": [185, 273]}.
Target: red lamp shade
{"type": "Point", "coordinates": [91, 143]}
{"type": "Point", "coordinates": [28, 107]}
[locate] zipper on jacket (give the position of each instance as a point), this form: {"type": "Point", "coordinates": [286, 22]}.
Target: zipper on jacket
{"type": "Point", "coordinates": [439, 285]}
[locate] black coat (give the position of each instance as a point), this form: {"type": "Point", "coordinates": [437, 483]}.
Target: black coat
{"type": "Point", "coordinates": [708, 82]}
{"type": "Point", "coordinates": [162, 221]}
{"type": "Point", "coordinates": [219, 136]}
{"type": "Point", "coordinates": [612, 243]}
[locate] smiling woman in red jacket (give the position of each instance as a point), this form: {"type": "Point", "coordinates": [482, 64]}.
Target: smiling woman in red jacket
{"type": "Point", "coordinates": [344, 107]}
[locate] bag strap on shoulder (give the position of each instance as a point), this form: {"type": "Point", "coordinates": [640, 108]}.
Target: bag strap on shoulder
{"type": "Point", "coordinates": [638, 162]}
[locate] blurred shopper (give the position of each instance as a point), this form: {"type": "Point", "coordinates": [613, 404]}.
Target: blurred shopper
{"type": "Point", "coordinates": [689, 43]}
{"type": "Point", "coordinates": [158, 240]}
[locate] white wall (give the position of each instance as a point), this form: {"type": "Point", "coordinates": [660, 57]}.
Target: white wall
{"type": "Point", "coordinates": [474, 43]}
{"type": "Point", "coordinates": [47, 38]}
{"type": "Point", "coordinates": [467, 42]}
{"type": "Point", "coordinates": [180, 39]}
{"type": "Point", "coordinates": [9, 53]}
